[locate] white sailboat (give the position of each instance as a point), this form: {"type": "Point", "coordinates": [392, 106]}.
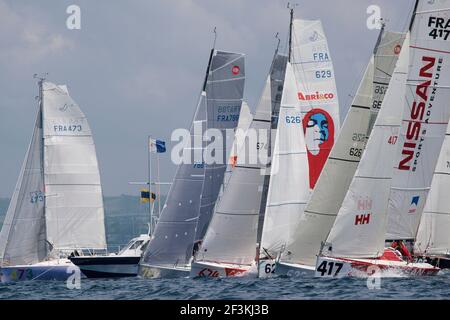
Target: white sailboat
{"type": "Point", "coordinates": [196, 186]}
{"type": "Point", "coordinates": [341, 165]}
{"type": "Point", "coordinates": [425, 123]}
{"type": "Point", "coordinates": [296, 173]}
{"type": "Point", "coordinates": [230, 243]}
{"type": "Point", "coordinates": [418, 93]}
{"type": "Point", "coordinates": [57, 205]}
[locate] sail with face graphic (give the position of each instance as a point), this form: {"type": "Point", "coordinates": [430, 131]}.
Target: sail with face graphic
{"type": "Point", "coordinates": [317, 94]}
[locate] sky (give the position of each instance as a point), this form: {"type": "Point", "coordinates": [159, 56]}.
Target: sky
{"type": "Point", "coordinates": [136, 67]}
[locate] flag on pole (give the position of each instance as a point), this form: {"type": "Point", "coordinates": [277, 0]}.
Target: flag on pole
{"type": "Point", "coordinates": [147, 196]}
{"type": "Point", "coordinates": [157, 146]}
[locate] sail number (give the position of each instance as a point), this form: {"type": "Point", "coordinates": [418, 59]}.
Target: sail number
{"type": "Point", "coordinates": [269, 268]}
{"type": "Point", "coordinates": [440, 27]}
{"type": "Point", "coordinates": [36, 197]}
{"type": "Point", "coordinates": [323, 74]}
{"type": "Point", "coordinates": [293, 120]}
{"type": "Point", "coordinates": [327, 268]}
{"type": "Point", "coordinates": [355, 152]}
{"type": "Point", "coordinates": [68, 128]}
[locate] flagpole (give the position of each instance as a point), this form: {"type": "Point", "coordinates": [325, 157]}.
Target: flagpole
{"type": "Point", "coordinates": [159, 186]}
{"type": "Point", "coordinates": [150, 207]}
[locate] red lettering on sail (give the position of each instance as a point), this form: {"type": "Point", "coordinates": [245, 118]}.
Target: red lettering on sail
{"type": "Point", "coordinates": [417, 114]}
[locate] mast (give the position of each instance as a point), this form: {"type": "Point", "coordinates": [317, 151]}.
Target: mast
{"type": "Point", "coordinates": [41, 108]}
{"type": "Point", "coordinates": [380, 36]}
{"type": "Point", "coordinates": [413, 17]}
{"type": "Point", "coordinates": [210, 60]}
{"type": "Point", "coordinates": [290, 31]}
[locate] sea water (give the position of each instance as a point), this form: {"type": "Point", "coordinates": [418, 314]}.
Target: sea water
{"type": "Point", "coordinates": [278, 288]}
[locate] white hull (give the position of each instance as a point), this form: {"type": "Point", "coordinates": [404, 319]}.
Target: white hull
{"type": "Point", "coordinates": [342, 267]}
{"type": "Point", "coordinates": [293, 270]}
{"type": "Point", "coordinates": [149, 271]}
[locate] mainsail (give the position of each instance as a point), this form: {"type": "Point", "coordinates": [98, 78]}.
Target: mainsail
{"type": "Point", "coordinates": [232, 233]}
{"type": "Point", "coordinates": [57, 204]}
{"type": "Point", "coordinates": [425, 119]}
{"type": "Point", "coordinates": [344, 158]}
{"type": "Point", "coordinates": [196, 186]}
{"type": "Point", "coordinates": [433, 237]}
{"type": "Point", "coordinates": [358, 231]}
{"type": "Point", "coordinates": [317, 94]}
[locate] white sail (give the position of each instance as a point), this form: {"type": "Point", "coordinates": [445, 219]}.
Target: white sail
{"type": "Point", "coordinates": [74, 212]}
{"type": "Point", "coordinates": [22, 238]}
{"type": "Point", "coordinates": [232, 233]}
{"type": "Point", "coordinates": [317, 94]}
{"type": "Point", "coordinates": [361, 222]}
{"type": "Point", "coordinates": [341, 165]}
{"type": "Point", "coordinates": [425, 119]}
{"type": "Point", "coordinates": [57, 203]}
{"type": "Point", "coordinates": [433, 237]}
{"type": "Point", "coordinates": [245, 120]}
{"type": "Point", "coordinates": [289, 183]}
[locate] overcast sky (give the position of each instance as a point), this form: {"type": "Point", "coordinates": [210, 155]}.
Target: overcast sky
{"type": "Point", "coordinates": [136, 66]}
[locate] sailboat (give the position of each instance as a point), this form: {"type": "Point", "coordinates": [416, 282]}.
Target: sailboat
{"type": "Point", "coordinates": [57, 204]}
{"type": "Point", "coordinates": [421, 143]}
{"type": "Point", "coordinates": [196, 185]}
{"type": "Point", "coordinates": [300, 157]}
{"type": "Point", "coordinates": [230, 243]}
{"type": "Point", "coordinates": [409, 133]}
{"type": "Point", "coordinates": [433, 238]}
{"type": "Point", "coordinates": [344, 158]}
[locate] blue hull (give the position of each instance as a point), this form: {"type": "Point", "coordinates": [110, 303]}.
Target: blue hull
{"type": "Point", "coordinates": [33, 272]}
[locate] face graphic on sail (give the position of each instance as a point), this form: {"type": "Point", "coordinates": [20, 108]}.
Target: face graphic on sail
{"type": "Point", "coordinates": [316, 132]}
{"type": "Point", "coordinates": [318, 127]}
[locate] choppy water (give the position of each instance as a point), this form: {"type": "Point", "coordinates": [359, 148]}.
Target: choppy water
{"type": "Point", "coordinates": [437, 287]}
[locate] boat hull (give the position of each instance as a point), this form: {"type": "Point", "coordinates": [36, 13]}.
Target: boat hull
{"type": "Point", "coordinates": [107, 266]}
{"type": "Point", "coordinates": [41, 271]}
{"type": "Point", "coordinates": [217, 270]}
{"type": "Point", "coordinates": [150, 272]}
{"type": "Point", "coordinates": [341, 267]}
{"type": "Point", "coordinates": [442, 262]}
{"type": "Point", "coordinates": [266, 268]}
{"type": "Point", "coordinates": [293, 270]}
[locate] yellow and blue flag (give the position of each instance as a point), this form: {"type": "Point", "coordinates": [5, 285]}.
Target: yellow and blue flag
{"type": "Point", "coordinates": [147, 196]}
